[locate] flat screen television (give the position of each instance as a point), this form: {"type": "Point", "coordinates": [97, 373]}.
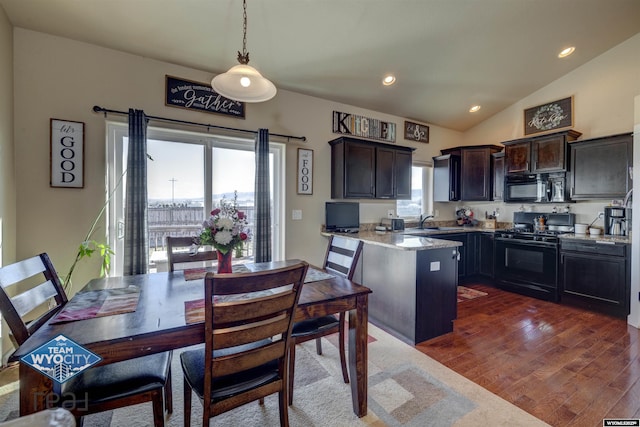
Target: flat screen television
{"type": "Point", "coordinates": [342, 216]}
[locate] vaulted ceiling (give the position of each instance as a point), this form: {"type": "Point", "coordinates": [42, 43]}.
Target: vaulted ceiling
{"type": "Point", "coordinates": [447, 55]}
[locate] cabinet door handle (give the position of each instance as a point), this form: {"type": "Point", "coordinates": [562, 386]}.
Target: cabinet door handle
{"type": "Point", "coordinates": [526, 167]}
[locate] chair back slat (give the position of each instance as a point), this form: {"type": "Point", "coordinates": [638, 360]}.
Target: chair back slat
{"type": "Point", "coordinates": [247, 359]}
{"type": "Point", "coordinates": [179, 252]}
{"type": "Point", "coordinates": [29, 300]}
{"type": "Point", "coordinates": [227, 284]}
{"type": "Point", "coordinates": [235, 336]}
{"type": "Point", "coordinates": [254, 310]}
{"type": "Point", "coordinates": [342, 256]}
{"type": "Point", "coordinates": [23, 303]}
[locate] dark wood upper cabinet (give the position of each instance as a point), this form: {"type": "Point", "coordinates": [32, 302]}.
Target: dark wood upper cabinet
{"type": "Point", "coordinates": [601, 167]}
{"type": "Point", "coordinates": [464, 173]}
{"type": "Point", "coordinates": [477, 176]}
{"type": "Point", "coordinates": [517, 157]}
{"type": "Point", "coordinates": [542, 154]}
{"type": "Point", "coordinates": [362, 169]}
{"type": "Point", "coordinates": [498, 175]}
{"type": "Point", "coordinates": [446, 178]}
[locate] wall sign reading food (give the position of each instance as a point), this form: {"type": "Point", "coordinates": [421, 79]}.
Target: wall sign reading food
{"type": "Point", "coordinates": [351, 124]}
{"type": "Point", "coordinates": [67, 154]}
{"type": "Point", "coordinates": [200, 96]}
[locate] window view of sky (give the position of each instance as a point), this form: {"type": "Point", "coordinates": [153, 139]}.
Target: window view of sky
{"type": "Point", "coordinates": [177, 170]}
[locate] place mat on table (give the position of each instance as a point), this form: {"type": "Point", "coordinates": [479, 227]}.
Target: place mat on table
{"type": "Point", "coordinates": [194, 310]}
{"type": "Point", "coordinates": [104, 302]}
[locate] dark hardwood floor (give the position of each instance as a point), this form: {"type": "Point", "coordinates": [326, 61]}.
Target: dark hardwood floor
{"type": "Point", "coordinates": [564, 365]}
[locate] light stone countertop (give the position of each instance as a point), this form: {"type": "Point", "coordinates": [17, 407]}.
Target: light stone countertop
{"type": "Point", "coordinates": [600, 237]}
{"type": "Point", "coordinates": [398, 240]}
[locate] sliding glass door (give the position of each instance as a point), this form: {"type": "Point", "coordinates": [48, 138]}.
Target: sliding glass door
{"type": "Point", "coordinates": [188, 174]}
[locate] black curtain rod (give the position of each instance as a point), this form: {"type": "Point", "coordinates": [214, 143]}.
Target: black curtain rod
{"type": "Point", "coordinates": [97, 109]}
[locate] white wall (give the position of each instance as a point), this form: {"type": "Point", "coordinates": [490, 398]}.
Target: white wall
{"type": "Point", "coordinates": [7, 180]}
{"type": "Point", "coordinates": [64, 79]}
{"type": "Point", "coordinates": [634, 316]}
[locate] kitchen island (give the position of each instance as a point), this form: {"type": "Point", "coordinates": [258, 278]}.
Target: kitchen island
{"type": "Point", "coordinates": [414, 280]}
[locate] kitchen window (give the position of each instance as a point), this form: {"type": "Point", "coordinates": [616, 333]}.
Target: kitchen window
{"type": "Point", "coordinates": [187, 174]}
{"type": "Point", "coordinates": [421, 193]}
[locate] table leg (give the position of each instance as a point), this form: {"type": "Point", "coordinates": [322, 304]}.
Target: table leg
{"type": "Point", "coordinates": [358, 339]}
{"type": "Point", "coordinates": [34, 389]}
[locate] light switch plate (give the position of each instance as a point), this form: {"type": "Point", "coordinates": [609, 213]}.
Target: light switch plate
{"type": "Point", "coordinates": [296, 214]}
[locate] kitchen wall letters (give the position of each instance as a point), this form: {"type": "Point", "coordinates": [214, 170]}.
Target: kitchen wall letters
{"type": "Point", "coordinates": [554, 116]}
{"type": "Point", "coordinates": [350, 124]}
{"type": "Point", "coordinates": [67, 154]}
{"type": "Point", "coordinates": [305, 171]}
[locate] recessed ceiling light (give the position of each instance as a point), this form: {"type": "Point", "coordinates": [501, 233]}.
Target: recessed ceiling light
{"type": "Point", "coordinates": [388, 80]}
{"type": "Point", "coordinates": [566, 52]}
{"type": "Point", "coordinates": [475, 108]}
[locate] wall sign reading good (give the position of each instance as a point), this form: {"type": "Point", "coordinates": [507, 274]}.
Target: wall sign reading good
{"type": "Point", "coordinates": [416, 132]}
{"type": "Point", "coordinates": [350, 124]}
{"type": "Point", "coordinates": [67, 154]}
{"type": "Point", "coordinates": [305, 171]}
{"type": "Point", "coordinates": [551, 116]}
{"type": "Point", "coordinates": [200, 96]}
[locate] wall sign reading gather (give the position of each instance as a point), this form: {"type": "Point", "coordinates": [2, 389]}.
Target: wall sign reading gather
{"type": "Point", "coordinates": [192, 95]}
{"type": "Point", "coordinates": [67, 154]}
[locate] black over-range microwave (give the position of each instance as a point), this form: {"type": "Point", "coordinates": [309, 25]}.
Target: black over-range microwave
{"type": "Point", "coordinates": [536, 188]}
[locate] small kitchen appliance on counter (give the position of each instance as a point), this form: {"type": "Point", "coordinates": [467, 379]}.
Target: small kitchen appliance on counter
{"type": "Point", "coordinates": [616, 220]}
{"type": "Point", "coordinates": [392, 224]}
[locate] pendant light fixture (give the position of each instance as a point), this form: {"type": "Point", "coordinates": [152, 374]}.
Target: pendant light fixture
{"type": "Point", "coordinates": [243, 82]}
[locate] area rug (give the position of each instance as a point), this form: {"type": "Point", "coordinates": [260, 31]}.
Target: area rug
{"type": "Point", "coordinates": [406, 388]}
{"type": "Point", "coordinates": [465, 294]}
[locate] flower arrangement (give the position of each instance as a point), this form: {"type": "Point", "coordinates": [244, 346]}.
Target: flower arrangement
{"type": "Point", "coordinates": [227, 227]}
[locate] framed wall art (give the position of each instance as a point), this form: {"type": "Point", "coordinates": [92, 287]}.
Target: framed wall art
{"type": "Point", "coordinates": [305, 171]}
{"type": "Point", "coordinates": [552, 116]}
{"type": "Point", "coordinates": [416, 132]}
{"type": "Point", "coordinates": [67, 154]}
{"type": "Point", "coordinates": [192, 95]}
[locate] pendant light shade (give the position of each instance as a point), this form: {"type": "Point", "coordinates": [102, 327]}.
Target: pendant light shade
{"type": "Point", "coordinates": [243, 82]}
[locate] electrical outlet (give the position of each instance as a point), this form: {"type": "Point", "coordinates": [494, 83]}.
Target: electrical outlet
{"type": "Point", "coordinates": [436, 213]}
{"type": "Point", "coordinates": [390, 213]}
{"type": "Point", "coordinates": [296, 214]}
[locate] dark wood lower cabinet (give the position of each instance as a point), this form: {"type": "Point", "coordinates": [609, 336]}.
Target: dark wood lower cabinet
{"type": "Point", "coordinates": [595, 276]}
{"type": "Point", "coordinates": [485, 255]}
{"type": "Point", "coordinates": [464, 253]}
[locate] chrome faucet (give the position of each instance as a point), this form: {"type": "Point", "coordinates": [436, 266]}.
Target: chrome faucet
{"type": "Point", "coordinates": [422, 220]}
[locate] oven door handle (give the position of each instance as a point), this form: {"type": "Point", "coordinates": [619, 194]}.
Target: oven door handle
{"type": "Point", "coordinates": [529, 243]}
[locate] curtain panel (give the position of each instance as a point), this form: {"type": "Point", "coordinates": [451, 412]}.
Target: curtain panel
{"type": "Point", "coordinates": [136, 234]}
{"type": "Point", "coordinates": [262, 237]}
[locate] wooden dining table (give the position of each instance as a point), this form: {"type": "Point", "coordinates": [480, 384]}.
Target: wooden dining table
{"type": "Point", "coordinates": [158, 324]}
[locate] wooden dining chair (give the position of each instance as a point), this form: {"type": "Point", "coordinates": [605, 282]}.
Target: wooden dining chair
{"type": "Point", "coordinates": [341, 258]}
{"type": "Point", "coordinates": [179, 252]}
{"type": "Point", "coordinates": [107, 387]}
{"type": "Point", "coordinates": [246, 341]}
